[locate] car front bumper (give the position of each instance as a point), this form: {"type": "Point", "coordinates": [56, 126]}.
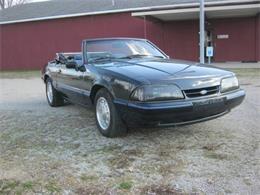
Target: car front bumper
{"type": "Point", "coordinates": [181, 112]}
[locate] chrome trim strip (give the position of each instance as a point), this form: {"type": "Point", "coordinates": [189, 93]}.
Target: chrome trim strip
{"type": "Point", "coordinates": [74, 89]}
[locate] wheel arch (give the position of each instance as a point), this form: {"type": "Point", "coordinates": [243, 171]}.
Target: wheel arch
{"type": "Point", "coordinates": [96, 87]}
{"type": "Point", "coordinates": [45, 77]}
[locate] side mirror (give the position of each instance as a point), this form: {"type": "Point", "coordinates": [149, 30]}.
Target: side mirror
{"type": "Point", "coordinates": [71, 64]}
{"type": "Point", "coordinates": [57, 61]}
{"type": "Point", "coordinates": [62, 59]}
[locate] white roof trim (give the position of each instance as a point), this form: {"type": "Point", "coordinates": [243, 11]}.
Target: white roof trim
{"type": "Point", "coordinates": [125, 10]}
{"type": "Point", "coordinates": [190, 10]}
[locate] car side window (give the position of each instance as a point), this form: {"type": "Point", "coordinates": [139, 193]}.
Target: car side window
{"type": "Point", "coordinates": [78, 59]}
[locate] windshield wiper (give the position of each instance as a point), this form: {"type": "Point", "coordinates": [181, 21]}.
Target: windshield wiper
{"type": "Point", "coordinates": [140, 56]}
{"type": "Point", "coordinates": [102, 58]}
{"type": "Point", "coordinates": [158, 57]}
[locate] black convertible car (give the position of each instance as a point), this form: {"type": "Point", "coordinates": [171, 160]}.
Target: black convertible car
{"type": "Point", "coordinates": [131, 82]}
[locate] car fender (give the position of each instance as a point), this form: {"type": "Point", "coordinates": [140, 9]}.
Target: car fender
{"type": "Point", "coordinates": [45, 75]}
{"type": "Point", "coordinates": [98, 85]}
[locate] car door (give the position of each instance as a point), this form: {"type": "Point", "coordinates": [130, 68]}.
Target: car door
{"type": "Point", "coordinates": [89, 75]}
{"type": "Point", "coordinates": [70, 83]}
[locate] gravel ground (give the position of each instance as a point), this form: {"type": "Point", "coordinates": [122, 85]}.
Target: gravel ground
{"type": "Point", "coordinates": [46, 150]}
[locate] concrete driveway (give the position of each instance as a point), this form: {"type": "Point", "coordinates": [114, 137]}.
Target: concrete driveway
{"type": "Point", "coordinates": [46, 150]}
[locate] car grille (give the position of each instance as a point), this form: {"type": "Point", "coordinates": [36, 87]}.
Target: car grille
{"type": "Point", "coordinates": [192, 93]}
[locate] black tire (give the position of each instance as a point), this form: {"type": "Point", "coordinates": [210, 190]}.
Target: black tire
{"type": "Point", "coordinates": [116, 126]}
{"type": "Point", "coordinates": [57, 99]}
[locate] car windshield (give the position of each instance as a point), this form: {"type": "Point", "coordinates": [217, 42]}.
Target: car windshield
{"type": "Point", "coordinates": [99, 50]}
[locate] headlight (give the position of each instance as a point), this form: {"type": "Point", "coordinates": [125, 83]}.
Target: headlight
{"type": "Point", "coordinates": [157, 92]}
{"type": "Point", "coordinates": [229, 84]}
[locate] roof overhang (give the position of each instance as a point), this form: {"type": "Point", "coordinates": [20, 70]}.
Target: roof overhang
{"type": "Point", "coordinates": [227, 11]}
{"type": "Point", "coordinates": [180, 11]}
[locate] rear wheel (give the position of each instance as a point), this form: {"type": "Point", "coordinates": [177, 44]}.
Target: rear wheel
{"type": "Point", "coordinates": [108, 121]}
{"type": "Point", "coordinates": [54, 98]}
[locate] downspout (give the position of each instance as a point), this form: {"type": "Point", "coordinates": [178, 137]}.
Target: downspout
{"type": "Point", "coordinates": [202, 32]}
{"type": "Point", "coordinates": [257, 37]}
{"type": "Point", "coordinates": [145, 28]}
{"type": "Point", "coordinates": [1, 48]}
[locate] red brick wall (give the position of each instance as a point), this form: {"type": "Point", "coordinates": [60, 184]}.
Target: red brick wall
{"type": "Point", "coordinates": [258, 37]}
{"type": "Point", "coordinates": [30, 45]}
{"type": "Point", "coordinates": [181, 39]}
{"type": "Point", "coordinates": [155, 33]}
{"type": "Point", "coordinates": [1, 44]}
{"type": "Point", "coordinates": [241, 44]}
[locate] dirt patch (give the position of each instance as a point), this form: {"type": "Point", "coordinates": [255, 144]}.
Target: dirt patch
{"type": "Point", "coordinates": [160, 190]}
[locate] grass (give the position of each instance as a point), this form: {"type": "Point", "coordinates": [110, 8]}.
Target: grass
{"type": "Point", "coordinates": [28, 185]}
{"type": "Point", "coordinates": [20, 74]}
{"type": "Point", "coordinates": [246, 72]}
{"type": "Point", "coordinates": [16, 187]}
{"type": "Point", "coordinates": [8, 185]}
{"type": "Point", "coordinates": [52, 187]}
{"type": "Point", "coordinates": [109, 149]}
{"type": "Point", "coordinates": [216, 156]}
{"type": "Point", "coordinates": [162, 189]}
{"type": "Point", "coordinates": [85, 177]}
{"type": "Point", "coordinates": [127, 185]}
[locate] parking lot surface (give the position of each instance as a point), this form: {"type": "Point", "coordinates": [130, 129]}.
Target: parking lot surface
{"type": "Point", "coordinates": [46, 150]}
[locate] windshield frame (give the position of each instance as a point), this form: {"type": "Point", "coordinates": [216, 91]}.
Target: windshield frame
{"type": "Point", "coordinates": [85, 42]}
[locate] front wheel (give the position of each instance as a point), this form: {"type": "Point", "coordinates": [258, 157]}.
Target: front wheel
{"type": "Point", "coordinates": [108, 121]}
{"type": "Point", "coordinates": [54, 98]}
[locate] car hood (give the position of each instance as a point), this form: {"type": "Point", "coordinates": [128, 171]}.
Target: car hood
{"type": "Point", "coordinates": [154, 71]}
